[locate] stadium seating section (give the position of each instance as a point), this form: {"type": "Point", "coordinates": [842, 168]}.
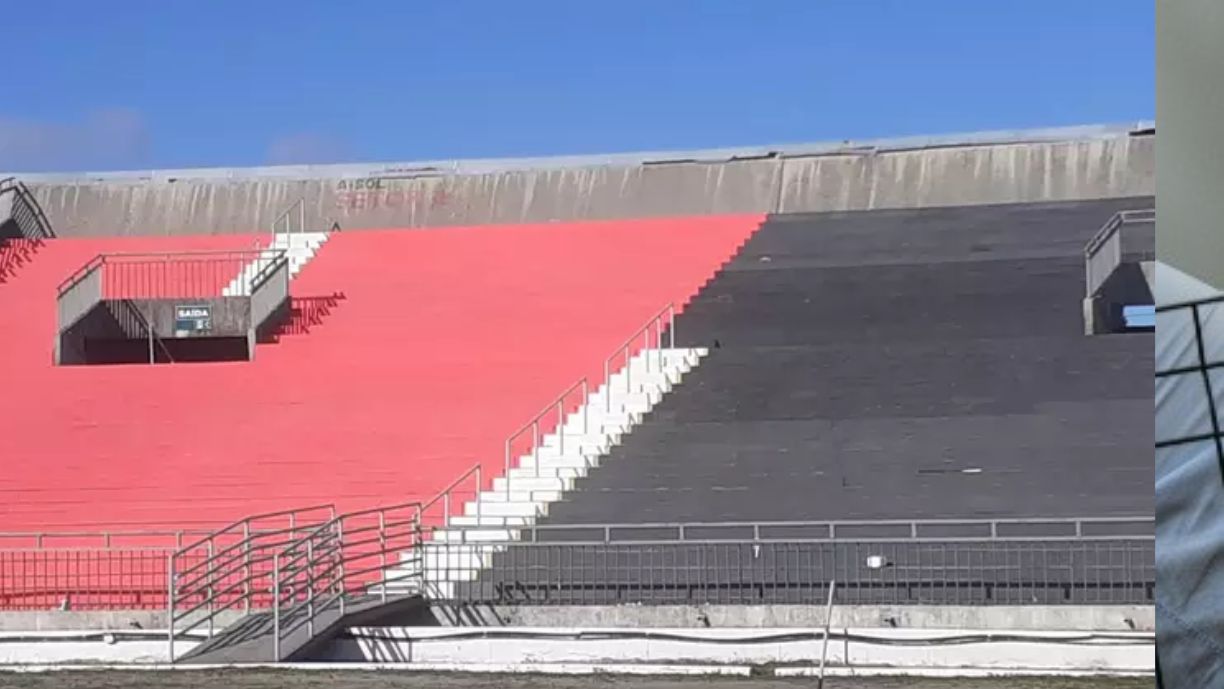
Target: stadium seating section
{"type": "Point", "coordinates": [413, 354]}
{"type": "Point", "coordinates": [894, 365]}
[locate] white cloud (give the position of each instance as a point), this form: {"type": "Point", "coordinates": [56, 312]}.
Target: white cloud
{"type": "Point", "coordinates": [103, 139]}
{"type": "Point", "coordinates": [305, 148]}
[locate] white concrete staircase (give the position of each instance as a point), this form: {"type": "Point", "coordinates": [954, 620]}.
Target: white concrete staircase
{"type": "Point", "coordinates": [299, 248]}
{"type": "Point", "coordinates": [459, 552]}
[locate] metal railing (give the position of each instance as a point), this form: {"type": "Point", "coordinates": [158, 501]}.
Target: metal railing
{"type": "Point", "coordinates": [25, 211]}
{"type": "Point", "coordinates": [448, 496]}
{"type": "Point", "coordinates": [932, 572]}
{"type": "Point", "coordinates": [292, 220]}
{"type": "Point", "coordinates": [347, 560]}
{"type": "Point", "coordinates": [83, 578]}
{"type": "Point", "coordinates": [145, 331]}
{"type": "Point", "coordinates": [1103, 253]}
{"type": "Point", "coordinates": [232, 567]}
{"type": "Point", "coordinates": [561, 407]}
{"type": "Point", "coordinates": [862, 531]}
{"type": "Point", "coordinates": [114, 538]}
{"type": "Point", "coordinates": [665, 318]}
{"type": "Point", "coordinates": [170, 275]}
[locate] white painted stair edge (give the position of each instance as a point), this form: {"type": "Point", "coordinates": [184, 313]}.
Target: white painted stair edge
{"type": "Point", "coordinates": [459, 552]}
{"type": "Point", "coordinates": [299, 248]}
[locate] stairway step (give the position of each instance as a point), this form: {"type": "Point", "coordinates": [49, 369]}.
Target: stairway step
{"type": "Point", "coordinates": [532, 484]}
{"type": "Point", "coordinates": [505, 509]}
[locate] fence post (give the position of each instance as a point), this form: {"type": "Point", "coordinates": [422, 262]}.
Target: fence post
{"type": "Point", "coordinates": [506, 473]}
{"type": "Point", "coordinates": [586, 396]}
{"type": "Point", "coordinates": [671, 328]}
{"type": "Point", "coordinates": [535, 445]}
{"type": "Point", "coordinates": [446, 509]}
{"type": "Point", "coordinates": [246, 568]}
{"type": "Point", "coordinates": [310, 586]}
{"type": "Point", "coordinates": [607, 387]}
{"type": "Point", "coordinates": [382, 550]}
{"type": "Point", "coordinates": [340, 564]}
{"type": "Point", "coordinates": [824, 651]}
{"type": "Point", "coordinates": [170, 604]}
{"type": "Point", "coordinates": [561, 424]}
{"type": "Point", "coordinates": [209, 609]}
{"type": "Point", "coordinates": [479, 487]}
{"type": "Point", "coordinates": [276, 655]}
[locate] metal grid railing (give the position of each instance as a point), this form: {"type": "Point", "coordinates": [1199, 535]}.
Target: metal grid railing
{"type": "Point", "coordinates": [195, 274]}
{"type": "Point", "coordinates": [83, 578]}
{"type": "Point", "coordinates": [1002, 572]}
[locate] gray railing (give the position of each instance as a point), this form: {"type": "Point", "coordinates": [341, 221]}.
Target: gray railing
{"type": "Point", "coordinates": [1103, 253]}
{"type": "Point", "coordinates": [1082, 571]}
{"type": "Point", "coordinates": [169, 274]}
{"type": "Point", "coordinates": [77, 295]}
{"type": "Point", "coordinates": [145, 328]}
{"type": "Point", "coordinates": [348, 560]}
{"type": "Point", "coordinates": [232, 568]}
{"type": "Point", "coordinates": [662, 321]}
{"type": "Point", "coordinates": [863, 531]}
{"type": "Point", "coordinates": [538, 425]}
{"type": "Point", "coordinates": [25, 210]}
{"type": "Point", "coordinates": [292, 220]}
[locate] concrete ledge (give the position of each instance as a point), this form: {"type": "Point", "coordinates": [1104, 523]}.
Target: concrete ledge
{"type": "Point", "coordinates": [902, 649]}
{"type": "Point", "coordinates": [1119, 618]}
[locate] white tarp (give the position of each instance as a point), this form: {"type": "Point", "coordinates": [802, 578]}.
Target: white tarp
{"type": "Point", "coordinates": [1189, 482]}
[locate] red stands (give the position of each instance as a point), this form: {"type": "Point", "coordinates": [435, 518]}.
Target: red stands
{"type": "Point", "coordinates": [420, 352]}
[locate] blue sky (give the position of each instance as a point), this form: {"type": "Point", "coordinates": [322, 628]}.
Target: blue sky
{"type": "Point", "coordinates": [162, 83]}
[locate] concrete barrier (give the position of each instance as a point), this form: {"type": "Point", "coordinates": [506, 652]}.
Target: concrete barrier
{"type": "Point", "coordinates": [901, 649]}
{"type": "Point", "coordinates": [1104, 618]}
{"type": "Point", "coordinates": [1041, 165]}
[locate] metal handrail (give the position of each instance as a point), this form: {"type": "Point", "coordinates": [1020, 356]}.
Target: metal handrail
{"type": "Point", "coordinates": [444, 495]}
{"type": "Point", "coordinates": [624, 350]}
{"type": "Point", "coordinates": [1106, 232]}
{"type": "Point", "coordinates": [131, 308]}
{"type": "Point", "coordinates": [1107, 235]}
{"type": "Point", "coordinates": [533, 424]}
{"type": "Point", "coordinates": [318, 564]}
{"type": "Point", "coordinates": [682, 530]}
{"type": "Point", "coordinates": [230, 570]}
{"type": "Point", "coordinates": [283, 219]}
{"type": "Point", "coordinates": [120, 257]}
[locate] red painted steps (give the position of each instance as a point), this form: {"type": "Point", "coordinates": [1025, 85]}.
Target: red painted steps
{"type": "Point", "coordinates": [445, 341]}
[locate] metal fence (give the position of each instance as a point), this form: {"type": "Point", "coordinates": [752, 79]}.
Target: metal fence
{"type": "Point", "coordinates": [1103, 253]}
{"type": "Point", "coordinates": [83, 578]}
{"type": "Point", "coordinates": [965, 572]}
{"type": "Point", "coordinates": [196, 274]}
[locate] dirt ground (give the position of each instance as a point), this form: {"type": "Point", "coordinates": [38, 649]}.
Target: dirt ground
{"type": "Point", "coordinates": [357, 679]}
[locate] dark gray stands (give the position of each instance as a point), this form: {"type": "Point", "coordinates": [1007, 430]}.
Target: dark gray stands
{"type": "Point", "coordinates": [862, 362]}
{"type": "Point", "coordinates": [909, 365]}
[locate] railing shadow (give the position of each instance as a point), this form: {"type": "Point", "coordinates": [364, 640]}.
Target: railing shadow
{"type": "Point", "coordinates": [305, 313]}
{"type": "Point", "coordinates": [15, 254]}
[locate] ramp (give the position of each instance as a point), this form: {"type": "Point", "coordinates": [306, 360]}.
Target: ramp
{"type": "Point", "coordinates": [265, 637]}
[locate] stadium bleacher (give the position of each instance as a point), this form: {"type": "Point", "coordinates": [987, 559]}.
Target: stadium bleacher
{"type": "Point", "coordinates": [887, 364]}
{"type": "Point", "coordinates": [435, 345]}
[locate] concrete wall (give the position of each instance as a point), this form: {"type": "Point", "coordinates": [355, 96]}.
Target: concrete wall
{"type": "Point", "coordinates": [1082, 163]}
{"type": "Point", "coordinates": [1190, 102]}
{"type": "Point", "coordinates": [1051, 651]}
{"type": "Point", "coordinates": [1115, 618]}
